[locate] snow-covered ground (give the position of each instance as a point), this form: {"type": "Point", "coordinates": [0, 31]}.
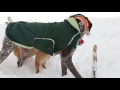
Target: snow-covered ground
{"type": "Point", "coordinates": [105, 33]}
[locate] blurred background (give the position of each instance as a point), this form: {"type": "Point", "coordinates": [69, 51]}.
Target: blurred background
{"type": "Point", "coordinates": [52, 16]}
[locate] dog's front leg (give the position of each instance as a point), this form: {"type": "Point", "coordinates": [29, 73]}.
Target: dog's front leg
{"type": "Point", "coordinates": [7, 48]}
{"type": "Point", "coordinates": [23, 56]}
{"type": "Point", "coordinates": [63, 68]}
{"type": "Point", "coordinates": [66, 59]}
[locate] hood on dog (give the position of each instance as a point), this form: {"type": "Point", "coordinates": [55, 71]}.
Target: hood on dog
{"type": "Point", "coordinates": [46, 37]}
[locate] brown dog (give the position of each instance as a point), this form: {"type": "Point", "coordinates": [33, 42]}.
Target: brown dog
{"type": "Point", "coordinates": [40, 57]}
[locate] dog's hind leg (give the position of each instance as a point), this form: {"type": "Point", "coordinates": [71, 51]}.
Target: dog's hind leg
{"type": "Point", "coordinates": [37, 63]}
{"type": "Point", "coordinates": [66, 59]}
{"type": "Point", "coordinates": [23, 56]}
{"type": "Point", "coordinates": [17, 52]}
{"type": "Point", "coordinates": [7, 48]}
{"type": "Point", "coordinates": [40, 59]}
{"type": "Point", "coordinates": [43, 65]}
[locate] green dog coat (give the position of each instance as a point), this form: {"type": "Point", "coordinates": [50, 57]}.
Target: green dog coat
{"type": "Point", "coordinates": [47, 37]}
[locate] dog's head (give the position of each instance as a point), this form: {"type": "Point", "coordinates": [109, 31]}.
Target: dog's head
{"type": "Point", "coordinates": [84, 23]}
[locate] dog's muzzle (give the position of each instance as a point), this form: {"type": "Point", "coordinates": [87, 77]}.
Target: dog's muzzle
{"type": "Point", "coordinates": [88, 33]}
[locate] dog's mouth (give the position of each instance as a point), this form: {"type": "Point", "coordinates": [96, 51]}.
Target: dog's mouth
{"type": "Point", "coordinates": [81, 41]}
{"type": "Point", "coordinates": [88, 33]}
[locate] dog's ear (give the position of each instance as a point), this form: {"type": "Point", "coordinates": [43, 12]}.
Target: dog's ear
{"type": "Point", "coordinates": [90, 24]}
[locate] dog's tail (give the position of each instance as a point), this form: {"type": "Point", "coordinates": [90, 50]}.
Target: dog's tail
{"type": "Point", "coordinates": [9, 20]}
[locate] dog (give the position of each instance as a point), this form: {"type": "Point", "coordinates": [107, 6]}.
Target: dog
{"type": "Point", "coordinates": [40, 57]}
{"type": "Point", "coordinates": [50, 38]}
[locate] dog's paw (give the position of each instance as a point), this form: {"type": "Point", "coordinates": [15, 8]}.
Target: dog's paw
{"type": "Point", "coordinates": [64, 73]}
{"type": "Point", "coordinates": [19, 63]}
{"type": "Point", "coordinates": [43, 66]}
{"type": "Point", "coordinates": [37, 72]}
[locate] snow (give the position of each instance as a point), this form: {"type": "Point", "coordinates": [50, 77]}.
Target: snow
{"type": "Point", "coordinates": [105, 33]}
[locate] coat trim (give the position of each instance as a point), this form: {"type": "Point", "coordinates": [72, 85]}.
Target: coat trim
{"type": "Point", "coordinates": [74, 23]}
{"type": "Point", "coordinates": [73, 38]}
